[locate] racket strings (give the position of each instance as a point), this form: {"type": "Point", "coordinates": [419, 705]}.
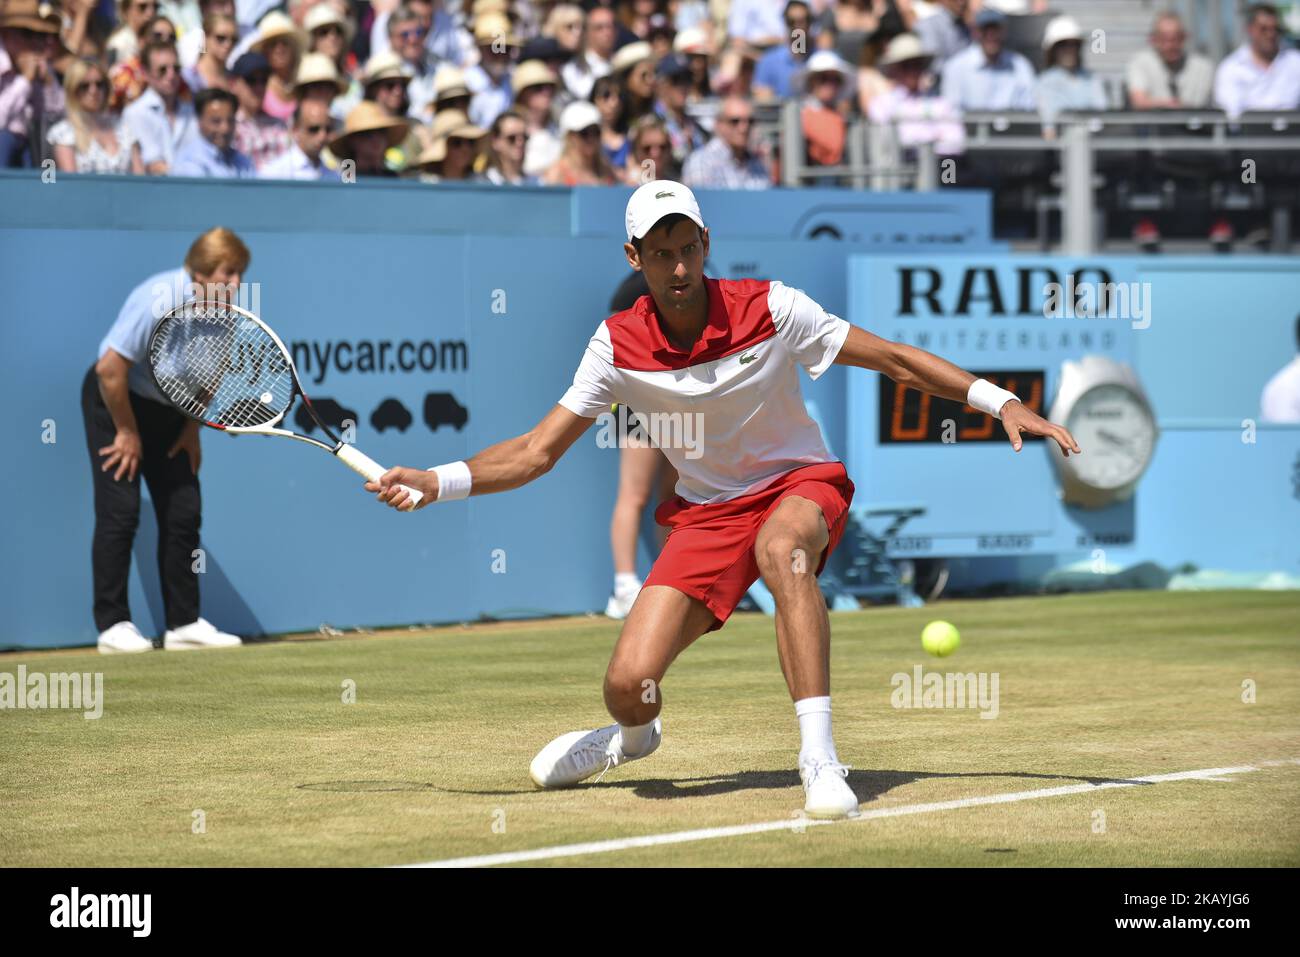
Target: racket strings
{"type": "Point", "coordinates": [220, 366]}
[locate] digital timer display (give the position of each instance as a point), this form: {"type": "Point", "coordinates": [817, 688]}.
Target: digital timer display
{"type": "Point", "coordinates": [911, 417]}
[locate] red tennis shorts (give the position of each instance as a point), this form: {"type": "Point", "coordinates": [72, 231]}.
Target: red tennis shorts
{"type": "Point", "coordinates": [709, 554]}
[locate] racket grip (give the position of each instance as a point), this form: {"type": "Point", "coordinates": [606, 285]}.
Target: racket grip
{"type": "Point", "coordinates": [359, 462]}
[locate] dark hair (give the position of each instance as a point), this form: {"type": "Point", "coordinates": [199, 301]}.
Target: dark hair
{"type": "Point", "coordinates": [785, 12]}
{"type": "Point", "coordinates": [150, 48]}
{"type": "Point", "coordinates": [610, 80]}
{"type": "Point", "coordinates": [297, 114]}
{"type": "Point", "coordinates": [1256, 10]}
{"type": "Point", "coordinates": [671, 220]}
{"type": "Point", "coordinates": [212, 94]}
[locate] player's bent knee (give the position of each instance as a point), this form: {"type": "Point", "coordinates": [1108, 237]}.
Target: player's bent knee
{"type": "Point", "coordinates": [782, 555]}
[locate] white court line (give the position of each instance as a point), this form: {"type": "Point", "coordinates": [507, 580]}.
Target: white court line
{"type": "Point", "coordinates": [798, 822]}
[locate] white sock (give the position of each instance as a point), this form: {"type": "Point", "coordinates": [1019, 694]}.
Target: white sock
{"type": "Point", "coordinates": [815, 729]}
{"type": "Point", "coordinates": [625, 583]}
{"type": "Point", "coordinates": [635, 737]}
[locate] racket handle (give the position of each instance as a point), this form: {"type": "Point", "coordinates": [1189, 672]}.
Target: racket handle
{"type": "Point", "coordinates": [359, 462]}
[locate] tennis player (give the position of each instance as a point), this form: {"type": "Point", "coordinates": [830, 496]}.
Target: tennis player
{"type": "Point", "coordinates": [758, 493]}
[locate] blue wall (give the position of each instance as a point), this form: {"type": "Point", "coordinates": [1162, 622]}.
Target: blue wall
{"type": "Point", "coordinates": [375, 262]}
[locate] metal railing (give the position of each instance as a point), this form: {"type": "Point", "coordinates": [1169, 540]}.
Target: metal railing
{"type": "Point", "coordinates": [875, 160]}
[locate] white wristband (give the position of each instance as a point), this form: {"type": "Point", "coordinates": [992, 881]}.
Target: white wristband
{"type": "Point", "coordinates": [987, 397]}
{"type": "Point", "coordinates": [453, 481]}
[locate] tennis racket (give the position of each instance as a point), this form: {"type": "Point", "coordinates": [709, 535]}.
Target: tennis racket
{"type": "Point", "coordinates": [224, 367]}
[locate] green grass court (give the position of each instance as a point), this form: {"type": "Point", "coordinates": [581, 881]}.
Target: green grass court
{"type": "Point", "coordinates": [431, 761]}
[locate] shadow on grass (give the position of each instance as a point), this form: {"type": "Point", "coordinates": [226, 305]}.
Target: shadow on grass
{"type": "Point", "coordinates": [868, 785]}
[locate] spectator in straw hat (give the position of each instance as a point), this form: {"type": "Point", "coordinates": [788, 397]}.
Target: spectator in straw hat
{"type": "Point", "coordinates": [304, 159]}
{"type": "Point", "coordinates": [535, 85]}
{"type": "Point", "coordinates": [329, 32]}
{"type": "Point", "coordinates": [282, 43]}
{"type": "Point", "coordinates": [318, 79]}
{"type": "Point", "coordinates": [450, 91]}
{"type": "Point", "coordinates": [581, 162]}
{"type": "Point", "coordinates": [384, 81]}
{"type": "Point", "coordinates": [489, 79]}
{"type": "Point", "coordinates": [368, 134]}
{"type": "Point", "coordinates": [825, 83]}
{"type": "Point", "coordinates": [28, 37]}
{"type": "Point", "coordinates": [634, 65]}
{"type": "Point", "coordinates": [258, 135]}
{"type": "Point", "coordinates": [565, 24]}
{"type": "Point", "coordinates": [919, 115]}
{"type": "Point", "coordinates": [454, 148]}
{"type": "Point", "coordinates": [696, 44]}
{"type": "Point", "coordinates": [507, 143]}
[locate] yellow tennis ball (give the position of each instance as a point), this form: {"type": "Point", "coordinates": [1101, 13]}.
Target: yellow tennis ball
{"type": "Point", "coordinates": [940, 638]}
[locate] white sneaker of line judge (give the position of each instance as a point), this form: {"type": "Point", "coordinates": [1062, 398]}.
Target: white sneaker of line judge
{"type": "Point", "coordinates": [124, 638]}
{"type": "Point", "coordinates": [199, 634]}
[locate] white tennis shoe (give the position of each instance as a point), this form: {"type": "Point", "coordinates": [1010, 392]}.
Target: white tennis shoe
{"type": "Point", "coordinates": [199, 634]}
{"type": "Point", "coordinates": [124, 638]}
{"type": "Point", "coordinates": [576, 756]}
{"type": "Point", "coordinates": [828, 793]}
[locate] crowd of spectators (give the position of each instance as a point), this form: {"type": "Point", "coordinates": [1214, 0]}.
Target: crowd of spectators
{"type": "Point", "coordinates": [558, 92]}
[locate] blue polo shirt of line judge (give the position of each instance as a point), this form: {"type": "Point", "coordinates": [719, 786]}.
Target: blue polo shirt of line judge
{"type": "Point", "coordinates": [129, 335]}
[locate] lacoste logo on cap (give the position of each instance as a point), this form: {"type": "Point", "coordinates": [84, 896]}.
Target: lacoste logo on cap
{"type": "Point", "coordinates": [664, 194]}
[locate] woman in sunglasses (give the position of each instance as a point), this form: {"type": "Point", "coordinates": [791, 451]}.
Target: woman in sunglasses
{"type": "Point", "coordinates": [507, 141]}
{"type": "Point", "coordinates": [92, 138]}
{"type": "Point", "coordinates": [220, 32]}
{"type": "Point", "coordinates": [582, 162]}
{"type": "Point", "coordinates": [607, 94]}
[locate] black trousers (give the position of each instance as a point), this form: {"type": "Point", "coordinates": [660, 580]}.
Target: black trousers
{"type": "Point", "coordinates": [174, 489]}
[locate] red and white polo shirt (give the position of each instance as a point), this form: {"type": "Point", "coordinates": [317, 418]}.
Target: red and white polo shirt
{"type": "Point", "coordinates": [729, 414]}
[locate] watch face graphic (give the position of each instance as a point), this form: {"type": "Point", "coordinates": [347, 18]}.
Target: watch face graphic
{"type": "Point", "coordinates": [1115, 428]}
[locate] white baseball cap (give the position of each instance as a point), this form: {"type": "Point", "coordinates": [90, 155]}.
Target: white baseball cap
{"type": "Point", "coordinates": [656, 199]}
{"type": "Point", "coordinates": [579, 115]}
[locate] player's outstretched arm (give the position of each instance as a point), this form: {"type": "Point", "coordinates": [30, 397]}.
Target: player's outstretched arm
{"type": "Point", "coordinates": [498, 468]}
{"type": "Point", "coordinates": [927, 372]}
